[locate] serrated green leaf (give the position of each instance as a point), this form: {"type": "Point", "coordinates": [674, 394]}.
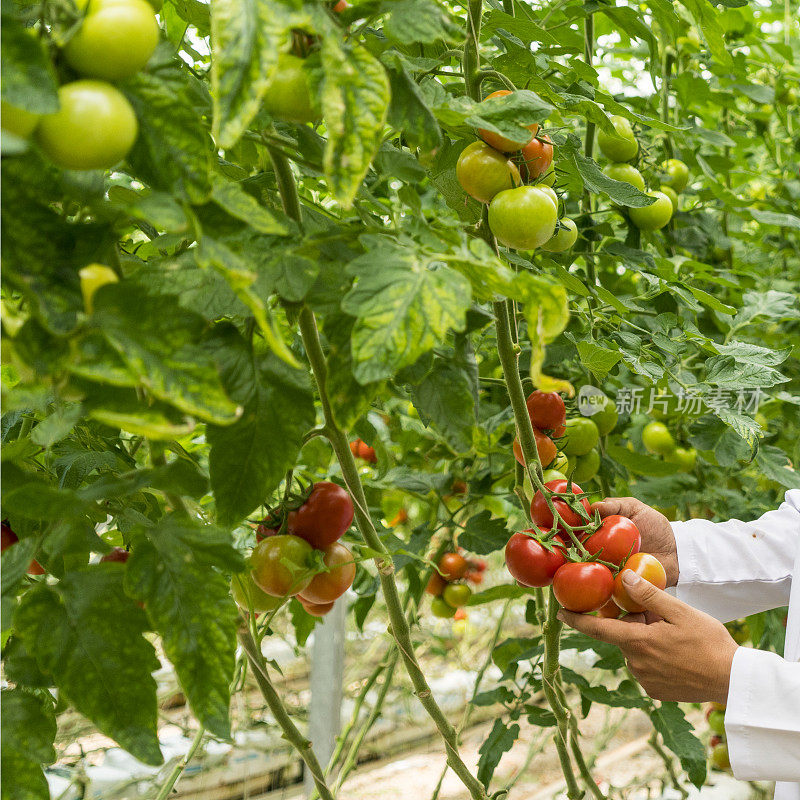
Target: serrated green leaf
{"type": "Point", "coordinates": [29, 81]}
{"type": "Point", "coordinates": [678, 735]}
{"type": "Point", "coordinates": [499, 741]}
{"type": "Point", "coordinates": [484, 534]}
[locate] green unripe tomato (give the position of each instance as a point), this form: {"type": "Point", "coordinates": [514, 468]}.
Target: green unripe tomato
{"type": "Point", "coordinates": [625, 172]}
{"type": "Point", "coordinates": [247, 595]}
{"type": "Point", "coordinates": [95, 127]}
{"type": "Point", "coordinates": [548, 179]}
{"type": "Point", "coordinates": [560, 462]}
{"type": "Point", "coordinates": [18, 121]}
{"type": "Point", "coordinates": [684, 457]}
{"type": "Point", "coordinates": [523, 218]}
{"type": "Point", "coordinates": [550, 192]}
{"type": "Point", "coordinates": [586, 467]}
{"type": "Point", "coordinates": [654, 216]}
{"type": "Point", "coordinates": [288, 95]}
{"type": "Point", "coordinates": [552, 475]}
{"type": "Point", "coordinates": [282, 565]}
{"type": "Point", "coordinates": [677, 174]}
{"type": "Point", "coordinates": [456, 595]}
{"type": "Point", "coordinates": [691, 41]}
{"type": "Point", "coordinates": [115, 40]}
{"type": "Point", "coordinates": [441, 609]}
{"type": "Point", "coordinates": [606, 418]}
{"type": "Point", "coordinates": [673, 196]}
{"type": "Point", "coordinates": [657, 438]}
{"type": "Point", "coordinates": [720, 758]}
{"type": "Point", "coordinates": [621, 146]}
{"type": "Point", "coordinates": [564, 238]}
{"type": "Point", "coordinates": [93, 276]}
{"type": "Point", "coordinates": [581, 436]}
{"type": "Point", "coordinates": [483, 171]}
{"type": "Point", "coordinates": [716, 721]}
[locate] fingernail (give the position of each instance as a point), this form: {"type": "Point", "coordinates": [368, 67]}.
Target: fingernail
{"type": "Point", "coordinates": [630, 578]}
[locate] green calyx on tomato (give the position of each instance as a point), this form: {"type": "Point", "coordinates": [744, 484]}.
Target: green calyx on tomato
{"type": "Point", "coordinates": [581, 436]}
{"type": "Point", "coordinates": [564, 237]}
{"type": "Point", "coordinates": [530, 562]}
{"type": "Point", "coordinates": [114, 41]}
{"type": "Point", "coordinates": [616, 539]}
{"type": "Point", "coordinates": [560, 463]}
{"type": "Point", "coordinates": [282, 565]}
{"type": "Point", "coordinates": [676, 174]}
{"type": "Point", "coordinates": [497, 140]}
{"type": "Point", "coordinates": [94, 128]}
{"type": "Point", "coordinates": [483, 172]}
{"type": "Point", "coordinates": [523, 218]}
{"type": "Point", "coordinates": [626, 173]}
{"type": "Point", "coordinates": [543, 517]}
{"type": "Point", "coordinates": [657, 438]}
{"type": "Point", "coordinates": [654, 216]}
{"type": "Point", "coordinates": [288, 94]}
{"type": "Point", "coordinates": [620, 145]}
{"type": "Point", "coordinates": [535, 158]}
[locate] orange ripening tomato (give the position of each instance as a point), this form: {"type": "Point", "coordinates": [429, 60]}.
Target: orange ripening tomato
{"type": "Point", "coordinates": [453, 566]}
{"type": "Point", "coordinates": [325, 587]}
{"type": "Point", "coordinates": [610, 610]}
{"type": "Point", "coordinates": [535, 158]}
{"type": "Point", "coordinates": [545, 447]}
{"type": "Point", "coordinates": [436, 584]}
{"type": "Point", "coordinates": [360, 449]}
{"type": "Point", "coordinates": [647, 567]}
{"type": "Point", "coordinates": [316, 609]}
{"type": "Point", "coordinates": [500, 142]}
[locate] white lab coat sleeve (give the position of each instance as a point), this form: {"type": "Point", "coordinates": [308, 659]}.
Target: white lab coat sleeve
{"type": "Point", "coordinates": [762, 718]}
{"type": "Point", "coordinates": [734, 569]}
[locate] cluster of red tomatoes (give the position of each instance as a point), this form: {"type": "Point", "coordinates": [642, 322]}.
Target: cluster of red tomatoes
{"type": "Point", "coordinates": [516, 178]}
{"type": "Point", "coordinates": [450, 594]}
{"type": "Point", "coordinates": [360, 449]}
{"type": "Point", "coordinates": [284, 564]}
{"type": "Point", "coordinates": [95, 125]}
{"type": "Point", "coordinates": [621, 148]}
{"type": "Point", "coordinates": [718, 748]}
{"type": "Point", "coordinates": [566, 447]}
{"type": "Point", "coordinates": [10, 538]}
{"type": "Point", "coordinates": [583, 561]}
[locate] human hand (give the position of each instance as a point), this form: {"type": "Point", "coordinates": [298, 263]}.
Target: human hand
{"type": "Point", "coordinates": [683, 655]}
{"type": "Point", "coordinates": [657, 535]}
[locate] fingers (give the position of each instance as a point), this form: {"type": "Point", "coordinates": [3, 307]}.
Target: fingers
{"type": "Point", "coordinates": [624, 506]}
{"type": "Point", "coordinates": [655, 601]}
{"type": "Point", "coordinates": [613, 631]}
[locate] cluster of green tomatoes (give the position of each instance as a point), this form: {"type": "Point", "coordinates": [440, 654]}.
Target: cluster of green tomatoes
{"type": "Point", "coordinates": [658, 439]}
{"type": "Point", "coordinates": [95, 126]}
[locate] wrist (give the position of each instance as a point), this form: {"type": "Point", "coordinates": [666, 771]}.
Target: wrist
{"type": "Point", "coordinates": [722, 684]}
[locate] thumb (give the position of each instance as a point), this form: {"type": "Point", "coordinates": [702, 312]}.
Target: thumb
{"type": "Point", "coordinates": [650, 597]}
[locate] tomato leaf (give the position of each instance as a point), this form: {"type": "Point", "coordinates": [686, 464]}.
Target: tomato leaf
{"type": "Point", "coordinates": [172, 570]}
{"type": "Point", "coordinates": [483, 534]}
{"type": "Point", "coordinates": [29, 728]}
{"type": "Point", "coordinates": [678, 735]}
{"type": "Point", "coordinates": [86, 633]}
{"type": "Point", "coordinates": [500, 740]}
{"type": "Point", "coordinates": [29, 81]}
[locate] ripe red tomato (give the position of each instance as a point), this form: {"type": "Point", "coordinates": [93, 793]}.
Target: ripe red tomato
{"type": "Point", "coordinates": [646, 566]}
{"type": "Point", "coordinates": [282, 565]}
{"type": "Point", "coordinates": [546, 410]}
{"type": "Point", "coordinates": [94, 128]}
{"type": "Point", "coordinates": [583, 588]}
{"type": "Point", "coordinates": [483, 172]}
{"type": "Point", "coordinates": [616, 539]}
{"type": "Point", "coordinates": [288, 95]}
{"type": "Point", "coordinates": [118, 554]}
{"type": "Point", "coordinates": [316, 609]}
{"type": "Point", "coordinates": [536, 158]}
{"type": "Point", "coordinates": [341, 6]}
{"type": "Point", "coordinates": [115, 40]}
{"type": "Point", "coordinates": [453, 566]}
{"type": "Point", "coordinates": [456, 595]}
{"type": "Point", "coordinates": [436, 584]}
{"type": "Point", "coordinates": [531, 563]}
{"type": "Point", "coordinates": [545, 447]}
{"type": "Point", "coordinates": [474, 577]}
{"type": "Point", "coordinates": [361, 449]}
{"type": "Point", "coordinates": [523, 218]}
{"type": "Point", "coordinates": [324, 517]}
{"type": "Point", "coordinates": [325, 587]}
{"type": "Point", "coordinates": [503, 143]}
{"type": "Point", "coordinates": [543, 517]}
